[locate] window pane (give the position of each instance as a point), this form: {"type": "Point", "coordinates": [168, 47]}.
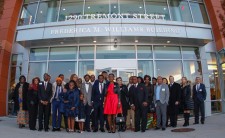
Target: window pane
{"type": "Point", "coordinates": [145, 68]}
{"type": "Point", "coordinates": [17, 59]}
{"type": "Point", "coordinates": [16, 72]}
{"type": "Point", "coordinates": [180, 11]}
{"type": "Point", "coordinates": [167, 52]}
{"type": "Point", "coordinates": [86, 52]}
{"type": "Point", "coordinates": [96, 7]}
{"type": "Point", "coordinates": [36, 70]}
{"type": "Point", "coordinates": [86, 67]}
{"type": "Point", "coordinates": [28, 14]}
{"type": "Point", "coordinates": [38, 54]}
{"type": "Point", "coordinates": [47, 11]}
{"type": "Point", "coordinates": [167, 68]}
{"type": "Point", "coordinates": [114, 6]}
{"type": "Point", "coordinates": [159, 7]}
{"type": "Point", "coordinates": [29, 1]}
{"type": "Point", "coordinates": [211, 58]}
{"type": "Point", "coordinates": [192, 69]}
{"type": "Point", "coordinates": [216, 106]}
{"type": "Point", "coordinates": [115, 52]}
{"type": "Point", "coordinates": [131, 7]}
{"type": "Point", "coordinates": [199, 13]}
{"type": "Point", "coordinates": [70, 7]}
{"type": "Point", "coordinates": [144, 52]}
{"type": "Point", "coordinates": [63, 53]}
{"type": "Point", "coordinates": [190, 53]}
{"type": "Point", "coordinates": [65, 68]}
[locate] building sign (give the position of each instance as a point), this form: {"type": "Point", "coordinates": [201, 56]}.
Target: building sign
{"type": "Point", "coordinates": [94, 29]}
{"type": "Point", "coordinates": [116, 16]}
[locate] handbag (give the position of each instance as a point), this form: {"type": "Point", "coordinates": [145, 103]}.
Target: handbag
{"type": "Point", "coordinates": [152, 108]}
{"type": "Point", "coordinates": [120, 119]}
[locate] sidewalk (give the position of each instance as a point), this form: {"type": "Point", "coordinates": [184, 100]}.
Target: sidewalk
{"type": "Point", "coordinates": [214, 127]}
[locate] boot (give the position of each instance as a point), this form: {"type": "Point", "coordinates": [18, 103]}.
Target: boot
{"type": "Point", "coordinates": [185, 120]}
{"type": "Point", "coordinates": [188, 116]}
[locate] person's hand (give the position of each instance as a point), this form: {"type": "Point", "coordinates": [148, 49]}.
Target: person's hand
{"type": "Point", "coordinates": [66, 101]}
{"type": "Point", "coordinates": [145, 103]}
{"type": "Point", "coordinates": [73, 108]}
{"type": "Point", "coordinates": [176, 103]}
{"type": "Point", "coordinates": [133, 107]}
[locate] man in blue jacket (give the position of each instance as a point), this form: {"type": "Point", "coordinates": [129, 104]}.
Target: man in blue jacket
{"type": "Point", "coordinates": [199, 96]}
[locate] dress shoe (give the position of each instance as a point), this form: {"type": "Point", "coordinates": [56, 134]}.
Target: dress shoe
{"type": "Point", "coordinates": [157, 128]}
{"type": "Point", "coordinates": [46, 130]}
{"type": "Point", "coordinates": [33, 129]}
{"type": "Point", "coordinates": [163, 129]}
{"type": "Point", "coordinates": [195, 123]}
{"type": "Point", "coordinates": [40, 129]}
{"type": "Point", "coordinates": [102, 130]}
{"type": "Point", "coordinates": [54, 129]}
{"type": "Point", "coordinates": [88, 130]}
{"type": "Point", "coordinates": [202, 122]}
{"type": "Point", "coordinates": [142, 130]}
{"type": "Point", "coordinates": [137, 130]}
{"type": "Point", "coordinates": [96, 130]}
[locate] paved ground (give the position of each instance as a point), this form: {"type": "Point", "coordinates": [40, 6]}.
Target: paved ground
{"type": "Point", "coordinates": [214, 128]}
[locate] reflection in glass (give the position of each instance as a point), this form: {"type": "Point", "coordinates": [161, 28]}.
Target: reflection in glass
{"type": "Point", "coordinates": [114, 7]}
{"type": "Point", "coordinates": [192, 69]}
{"type": "Point", "coordinates": [28, 14]}
{"type": "Point", "coordinates": [70, 7]}
{"type": "Point", "coordinates": [47, 11]}
{"type": "Point", "coordinates": [115, 52]}
{"type": "Point", "coordinates": [86, 67]}
{"type": "Point", "coordinates": [144, 52]}
{"type": "Point", "coordinates": [86, 52]}
{"type": "Point", "coordinates": [190, 53]}
{"type": "Point", "coordinates": [216, 106]}
{"type": "Point", "coordinates": [66, 68]}
{"type": "Point", "coordinates": [17, 59]}
{"type": "Point", "coordinates": [167, 68]}
{"type": "Point", "coordinates": [158, 7]}
{"type": "Point", "coordinates": [36, 70]}
{"type": "Point", "coordinates": [211, 58]}
{"type": "Point", "coordinates": [199, 13]}
{"type": "Point", "coordinates": [63, 53]}
{"type": "Point", "coordinates": [132, 6]}
{"type": "Point", "coordinates": [38, 54]}
{"type": "Point", "coordinates": [167, 52]}
{"type": "Point", "coordinates": [145, 67]}
{"type": "Point", "coordinates": [180, 11]}
{"type": "Point", "coordinates": [14, 76]}
{"type": "Point", "coordinates": [96, 7]}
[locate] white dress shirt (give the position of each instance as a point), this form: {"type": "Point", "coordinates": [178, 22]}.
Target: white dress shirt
{"type": "Point", "coordinates": [86, 86]}
{"type": "Point", "coordinates": [101, 87]}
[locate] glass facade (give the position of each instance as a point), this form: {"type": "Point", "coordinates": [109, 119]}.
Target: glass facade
{"type": "Point", "coordinates": [151, 59]}
{"type": "Point", "coordinates": [43, 11]}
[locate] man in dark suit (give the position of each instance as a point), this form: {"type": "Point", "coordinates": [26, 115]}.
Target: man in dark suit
{"type": "Point", "coordinates": [44, 95]}
{"type": "Point", "coordinates": [174, 100]}
{"type": "Point", "coordinates": [199, 96]}
{"type": "Point", "coordinates": [139, 103]}
{"type": "Point", "coordinates": [98, 93]}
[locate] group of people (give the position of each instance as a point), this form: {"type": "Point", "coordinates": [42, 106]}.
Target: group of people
{"type": "Point", "coordinates": [95, 104]}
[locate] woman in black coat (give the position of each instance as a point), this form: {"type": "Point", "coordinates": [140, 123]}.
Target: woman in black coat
{"type": "Point", "coordinates": [32, 98]}
{"type": "Point", "coordinates": [20, 99]}
{"type": "Point", "coordinates": [186, 101]}
{"type": "Point", "coordinates": [124, 97]}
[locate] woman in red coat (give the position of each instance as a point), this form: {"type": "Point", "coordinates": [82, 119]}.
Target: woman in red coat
{"type": "Point", "coordinates": [112, 105]}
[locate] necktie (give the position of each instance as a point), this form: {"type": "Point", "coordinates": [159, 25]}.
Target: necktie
{"type": "Point", "coordinates": [57, 92]}
{"type": "Point", "coordinates": [101, 88]}
{"type": "Point", "coordinates": [45, 85]}
{"type": "Point", "coordinates": [197, 87]}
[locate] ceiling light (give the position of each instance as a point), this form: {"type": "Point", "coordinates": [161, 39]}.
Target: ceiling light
{"type": "Point", "coordinates": [89, 7]}
{"type": "Point", "coordinates": [140, 7]}
{"type": "Point", "coordinates": [61, 43]}
{"type": "Point", "coordinates": [136, 41]}
{"type": "Point", "coordinates": [114, 7]}
{"type": "Point", "coordinates": [94, 41]}
{"type": "Point", "coordinates": [164, 9]}
{"type": "Point", "coordinates": [64, 9]}
{"type": "Point", "coordinates": [40, 11]}
{"type": "Point", "coordinates": [168, 42]}
{"type": "Point", "coordinates": [164, 46]}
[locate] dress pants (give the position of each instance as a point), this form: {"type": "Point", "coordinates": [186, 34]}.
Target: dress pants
{"type": "Point", "coordinates": [130, 116]}
{"type": "Point", "coordinates": [56, 115]}
{"type": "Point", "coordinates": [43, 112]}
{"type": "Point", "coordinates": [33, 110]}
{"type": "Point", "coordinates": [88, 116]}
{"type": "Point", "coordinates": [199, 105]}
{"type": "Point", "coordinates": [141, 116]}
{"type": "Point", "coordinates": [98, 116]}
{"type": "Point", "coordinates": [173, 111]}
{"type": "Point", "coordinates": [161, 111]}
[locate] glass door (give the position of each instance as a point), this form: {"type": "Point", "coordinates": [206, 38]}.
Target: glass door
{"type": "Point", "coordinates": [125, 74]}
